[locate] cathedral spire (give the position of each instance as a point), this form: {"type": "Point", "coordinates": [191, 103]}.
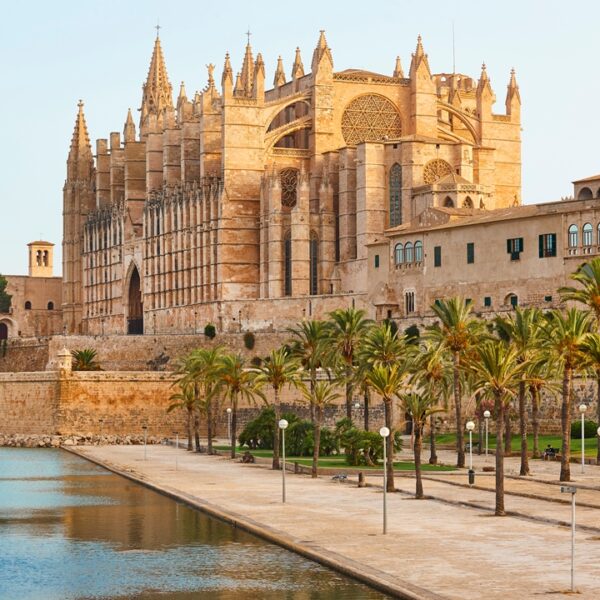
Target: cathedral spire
{"type": "Point", "coordinates": [513, 98]}
{"type": "Point", "coordinates": [238, 88]}
{"type": "Point", "coordinates": [419, 60]}
{"type": "Point", "coordinates": [80, 162]}
{"type": "Point", "coordinates": [279, 78]}
{"type": "Point", "coordinates": [247, 71]}
{"type": "Point", "coordinates": [398, 71]}
{"type": "Point", "coordinates": [129, 128]}
{"type": "Point", "coordinates": [322, 50]}
{"type": "Point", "coordinates": [182, 95]}
{"type": "Point", "coordinates": [297, 67]}
{"type": "Point", "coordinates": [227, 70]}
{"type": "Point", "coordinates": [157, 91]}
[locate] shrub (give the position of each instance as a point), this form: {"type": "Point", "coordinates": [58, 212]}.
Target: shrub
{"type": "Point", "coordinates": [589, 429]}
{"type": "Point", "coordinates": [210, 331]}
{"type": "Point", "coordinates": [392, 325]}
{"type": "Point", "coordinates": [256, 361]}
{"type": "Point", "coordinates": [85, 360]}
{"type": "Point", "coordinates": [249, 340]}
{"type": "Point", "coordinates": [412, 334]}
{"type": "Point", "coordinates": [362, 447]}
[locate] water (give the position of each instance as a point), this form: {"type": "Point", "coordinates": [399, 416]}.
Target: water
{"type": "Point", "coordinates": [71, 530]}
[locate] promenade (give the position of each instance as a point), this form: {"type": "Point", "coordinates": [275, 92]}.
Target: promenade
{"type": "Point", "coordinates": [448, 546]}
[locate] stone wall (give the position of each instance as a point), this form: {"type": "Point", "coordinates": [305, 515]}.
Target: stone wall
{"type": "Point", "coordinates": [24, 355]}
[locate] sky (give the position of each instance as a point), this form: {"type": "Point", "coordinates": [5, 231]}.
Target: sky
{"type": "Point", "coordinates": [54, 53]}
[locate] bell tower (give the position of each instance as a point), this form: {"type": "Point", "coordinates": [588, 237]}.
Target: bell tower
{"type": "Point", "coordinates": [40, 259]}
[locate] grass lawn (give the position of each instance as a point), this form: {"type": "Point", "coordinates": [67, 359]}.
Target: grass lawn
{"type": "Point", "coordinates": [554, 440]}
{"type": "Point", "coordinates": [338, 462]}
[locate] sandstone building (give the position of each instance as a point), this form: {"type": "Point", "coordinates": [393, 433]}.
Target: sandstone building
{"type": "Point", "coordinates": [35, 309]}
{"type": "Point", "coordinates": [251, 207]}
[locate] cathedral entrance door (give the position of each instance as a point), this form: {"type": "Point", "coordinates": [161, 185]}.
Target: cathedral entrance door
{"type": "Point", "coordinates": [3, 331]}
{"type": "Point", "coordinates": [135, 313]}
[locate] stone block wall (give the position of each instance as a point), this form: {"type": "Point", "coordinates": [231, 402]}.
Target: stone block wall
{"type": "Point", "coordinates": [24, 355]}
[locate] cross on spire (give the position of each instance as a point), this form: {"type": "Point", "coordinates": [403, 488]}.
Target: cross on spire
{"type": "Point", "coordinates": [248, 33]}
{"type": "Point", "coordinates": [158, 28]}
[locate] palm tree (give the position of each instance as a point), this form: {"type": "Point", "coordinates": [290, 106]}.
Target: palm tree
{"type": "Point", "coordinates": [321, 395]}
{"type": "Point", "coordinates": [309, 345]}
{"type": "Point", "coordinates": [389, 382]}
{"type": "Point", "coordinates": [85, 360]}
{"type": "Point", "coordinates": [346, 329]}
{"type": "Point", "coordinates": [237, 383]}
{"type": "Point", "coordinates": [523, 330]}
{"type": "Point", "coordinates": [457, 331]}
{"type": "Point", "coordinates": [190, 387]}
{"type": "Point", "coordinates": [420, 405]}
{"type": "Point", "coordinates": [497, 373]}
{"type": "Point", "coordinates": [592, 349]}
{"type": "Point", "coordinates": [588, 277]}
{"type": "Point", "coordinates": [185, 399]}
{"type": "Point", "coordinates": [563, 339]}
{"type": "Point", "coordinates": [279, 369]}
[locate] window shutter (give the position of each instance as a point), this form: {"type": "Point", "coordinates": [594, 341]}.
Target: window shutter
{"type": "Point", "coordinates": [521, 247]}
{"type": "Point", "coordinates": [541, 245]}
{"type": "Point", "coordinates": [508, 246]}
{"type": "Point", "coordinates": [553, 237]}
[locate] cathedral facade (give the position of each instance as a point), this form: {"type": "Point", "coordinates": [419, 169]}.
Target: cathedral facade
{"type": "Point", "coordinates": [252, 208]}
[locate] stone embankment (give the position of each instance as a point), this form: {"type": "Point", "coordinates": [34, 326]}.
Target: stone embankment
{"type": "Point", "coordinates": [55, 441]}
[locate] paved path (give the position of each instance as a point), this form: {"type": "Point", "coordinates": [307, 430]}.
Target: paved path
{"type": "Point", "coordinates": [454, 551]}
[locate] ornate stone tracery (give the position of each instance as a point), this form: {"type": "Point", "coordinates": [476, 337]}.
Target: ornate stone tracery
{"type": "Point", "coordinates": [435, 169]}
{"type": "Point", "coordinates": [370, 118]}
{"type": "Point", "coordinates": [289, 182]}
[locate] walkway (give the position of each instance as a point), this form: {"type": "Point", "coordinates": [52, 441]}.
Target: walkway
{"type": "Point", "coordinates": [452, 550]}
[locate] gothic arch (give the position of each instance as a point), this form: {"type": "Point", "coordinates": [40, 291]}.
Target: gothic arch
{"type": "Point", "coordinates": [8, 327]}
{"type": "Point", "coordinates": [462, 118]}
{"type": "Point", "coordinates": [585, 193]}
{"type": "Point", "coordinates": [272, 137]}
{"type": "Point", "coordinates": [370, 118]}
{"type": "Point", "coordinates": [134, 297]}
{"type": "Point", "coordinates": [277, 108]}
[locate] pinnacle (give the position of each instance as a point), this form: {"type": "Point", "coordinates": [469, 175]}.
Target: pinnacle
{"type": "Point", "coordinates": [279, 78]}
{"type": "Point", "coordinates": [398, 71]}
{"type": "Point", "coordinates": [322, 41]}
{"type": "Point", "coordinates": [298, 67]}
{"type": "Point", "coordinates": [157, 89]}
{"type": "Point", "coordinates": [80, 142]}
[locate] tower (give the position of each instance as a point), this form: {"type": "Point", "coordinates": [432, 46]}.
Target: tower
{"type": "Point", "coordinates": [78, 200]}
{"type": "Point", "coordinates": [40, 259]}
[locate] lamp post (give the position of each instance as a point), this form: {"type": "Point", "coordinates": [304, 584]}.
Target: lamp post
{"type": "Point", "coordinates": [356, 408]}
{"type": "Point", "coordinates": [384, 432]}
{"type": "Point", "coordinates": [470, 427]}
{"type": "Point", "coordinates": [567, 489]}
{"type": "Point", "coordinates": [176, 449]}
{"type": "Point", "coordinates": [582, 409]}
{"type": "Point", "coordinates": [486, 415]}
{"type": "Point", "coordinates": [229, 425]}
{"type": "Point", "coordinates": [283, 426]}
{"type": "Point", "coordinates": [145, 428]}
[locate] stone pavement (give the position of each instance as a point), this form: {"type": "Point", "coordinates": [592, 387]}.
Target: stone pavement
{"type": "Point", "coordinates": [442, 546]}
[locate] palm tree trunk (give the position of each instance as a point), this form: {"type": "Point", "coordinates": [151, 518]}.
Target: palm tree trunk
{"type": "Point", "coordinates": [313, 380]}
{"type": "Point", "coordinates": [523, 430]}
{"type": "Point", "coordinates": [535, 419]}
{"type": "Point", "coordinates": [348, 392]}
{"type": "Point", "coordinates": [432, 450]}
{"type": "Point", "coordinates": [460, 444]}
{"type": "Point", "coordinates": [190, 428]}
{"type": "Point", "coordinates": [565, 421]}
{"type": "Point", "coordinates": [389, 446]}
{"type": "Point", "coordinates": [277, 409]}
{"type": "Point", "coordinates": [508, 430]}
{"type": "Point", "coordinates": [317, 442]}
{"type": "Point", "coordinates": [366, 398]}
{"type": "Point", "coordinates": [233, 439]}
{"type": "Point", "coordinates": [197, 430]}
{"type": "Point", "coordinates": [499, 406]}
{"type": "Point", "coordinates": [598, 416]}
{"type": "Point", "coordinates": [209, 429]}
{"type": "Point", "coordinates": [418, 427]}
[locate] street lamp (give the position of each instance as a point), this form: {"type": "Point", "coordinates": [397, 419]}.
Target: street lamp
{"type": "Point", "coordinates": [384, 432]}
{"type": "Point", "coordinates": [568, 489]}
{"type": "Point", "coordinates": [283, 426]}
{"type": "Point", "coordinates": [582, 409]}
{"type": "Point", "coordinates": [470, 427]}
{"type": "Point", "coordinates": [176, 448]}
{"type": "Point", "coordinates": [145, 428]}
{"type": "Point", "coordinates": [486, 415]}
{"type": "Point", "coordinates": [356, 408]}
{"type": "Point", "coordinates": [229, 426]}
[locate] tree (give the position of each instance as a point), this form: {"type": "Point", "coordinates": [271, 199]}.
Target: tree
{"type": "Point", "coordinates": [237, 383]}
{"type": "Point", "coordinates": [420, 405]}
{"type": "Point", "coordinates": [321, 395]}
{"type": "Point", "coordinates": [189, 386]}
{"type": "Point", "coordinates": [591, 348]}
{"type": "Point", "coordinates": [389, 382]}
{"type": "Point", "coordinates": [279, 369]}
{"type": "Point", "coordinates": [85, 360]}
{"type": "Point", "coordinates": [186, 400]}
{"type": "Point", "coordinates": [523, 330]}
{"type": "Point", "coordinates": [588, 292]}
{"type": "Point", "coordinates": [563, 339]}
{"type": "Point", "coordinates": [497, 373]}
{"type": "Point", "coordinates": [457, 331]}
{"type": "Point", "coordinates": [346, 329]}
{"type": "Point", "coordinates": [5, 298]}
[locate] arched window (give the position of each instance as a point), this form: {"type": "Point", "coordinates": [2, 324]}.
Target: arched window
{"type": "Point", "coordinates": [3, 331]}
{"type": "Point", "coordinates": [468, 203]}
{"type": "Point", "coordinates": [395, 195]}
{"type": "Point", "coordinates": [289, 183]}
{"type": "Point", "coordinates": [287, 264]}
{"type": "Point", "coordinates": [584, 194]}
{"type": "Point", "coordinates": [418, 251]}
{"type": "Point", "coordinates": [50, 305]}
{"type": "Point", "coordinates": [408, 252]}
{"type": "Point", "coordinates": [587, 231]}
{"type": "Point", "coordinates": [28, 305]}
{"type": "Point", "coordinates": [573, 236]}
{"type": "Point", "coordinates": [512, 299]}
{"type": "Point", "coordinates": [448, 202]}
{"type": "Point", "coordinates": [398, 254]}
{"type": "Point", "coordinates": [314, 264]}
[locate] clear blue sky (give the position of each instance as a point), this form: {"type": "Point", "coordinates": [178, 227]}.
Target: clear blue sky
{"type": "Point", "coordinates": [53, 53]}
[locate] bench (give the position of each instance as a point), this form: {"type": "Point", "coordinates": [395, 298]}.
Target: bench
{"type": "Point", "coordinates": [551, 453]}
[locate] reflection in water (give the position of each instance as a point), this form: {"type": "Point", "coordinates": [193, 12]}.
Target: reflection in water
{"type": "Point", "coordinates": [71, 530]}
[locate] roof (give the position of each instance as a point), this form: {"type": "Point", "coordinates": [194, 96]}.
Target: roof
{"type": "Point", "coordinates": [592, 178]}
{"type": "Point", "coordinates": [452, 178]}
{"type": "Point", "coordinates": [361, 72]}
{"type": "Point", "coordinates": [40, 243]}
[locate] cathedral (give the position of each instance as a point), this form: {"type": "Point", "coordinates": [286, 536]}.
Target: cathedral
{"type": "Point", "coordinates": [252, 206]}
